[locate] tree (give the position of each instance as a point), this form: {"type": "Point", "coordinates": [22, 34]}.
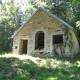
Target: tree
{"type": "Point", "coordinates": [76, 12]}
{"type": "Point", "coordinates": [9, 22]}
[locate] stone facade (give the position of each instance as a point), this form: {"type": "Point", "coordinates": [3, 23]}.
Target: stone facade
{"type": "Point", "coordinates": [42, 21]}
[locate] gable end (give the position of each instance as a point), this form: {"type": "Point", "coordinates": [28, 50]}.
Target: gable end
{"type": "Point", "coordinates": [52, 15]}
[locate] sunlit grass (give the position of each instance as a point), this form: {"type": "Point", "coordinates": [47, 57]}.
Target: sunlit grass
{"type": "Point", "coordinates": [24, 67]}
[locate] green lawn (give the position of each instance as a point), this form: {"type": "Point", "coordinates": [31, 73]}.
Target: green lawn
{"type": "Point", "coordinates": [23, 67]}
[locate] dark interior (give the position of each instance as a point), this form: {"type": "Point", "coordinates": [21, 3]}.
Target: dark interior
{"type": "Point", "coordinates": [24, 49]}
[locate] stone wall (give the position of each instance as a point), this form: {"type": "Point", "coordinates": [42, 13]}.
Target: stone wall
{"type": "Point", "coordinates": [42, 21]}
{"type": "Point", "coordinates": [64, 49]}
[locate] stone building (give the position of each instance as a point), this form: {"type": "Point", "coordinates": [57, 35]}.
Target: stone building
{"type": "Point", "coordinates": [44, 34]}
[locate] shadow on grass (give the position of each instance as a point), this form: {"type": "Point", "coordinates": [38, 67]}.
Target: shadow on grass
{"type": "Point", "coordinates": [16, 69]}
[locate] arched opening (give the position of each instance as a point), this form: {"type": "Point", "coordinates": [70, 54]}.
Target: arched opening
{"type": "Point", "coordinates": [39, 40]}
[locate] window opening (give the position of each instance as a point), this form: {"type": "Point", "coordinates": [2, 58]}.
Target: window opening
{"type": "Point", "coordinates": [39, 40]}
{"type": "Point", "coordinates": [57, 39]}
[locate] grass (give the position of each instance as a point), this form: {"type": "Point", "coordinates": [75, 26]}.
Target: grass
{"type": "Point", "coordinates": [23, 67]}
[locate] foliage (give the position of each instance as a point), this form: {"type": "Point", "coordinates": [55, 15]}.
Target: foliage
{"type": "Point", "coordinates": [22, 67]}
{"type": "Point", "coordinates": [9, 22]}
{"type": "Point", "coordinates": [77, 2]}
{"type": "Point", "coordinates": [5, 32]}
{"type": "Point", "coordinates": [76, 19]}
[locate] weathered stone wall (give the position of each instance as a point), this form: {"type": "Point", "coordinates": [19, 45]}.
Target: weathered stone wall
{"type": "Point", "coordinates": [64, 49]}
{"type": "Point", "coordinates": [70, 45]}
{"type": "Point", "coordinates": [41, 21]}
{"type": "Point", "coordinates": [75, 43]}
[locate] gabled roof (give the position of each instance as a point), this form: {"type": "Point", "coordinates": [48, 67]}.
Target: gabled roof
{"type": "Point", "coordinates": [52, 15]}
